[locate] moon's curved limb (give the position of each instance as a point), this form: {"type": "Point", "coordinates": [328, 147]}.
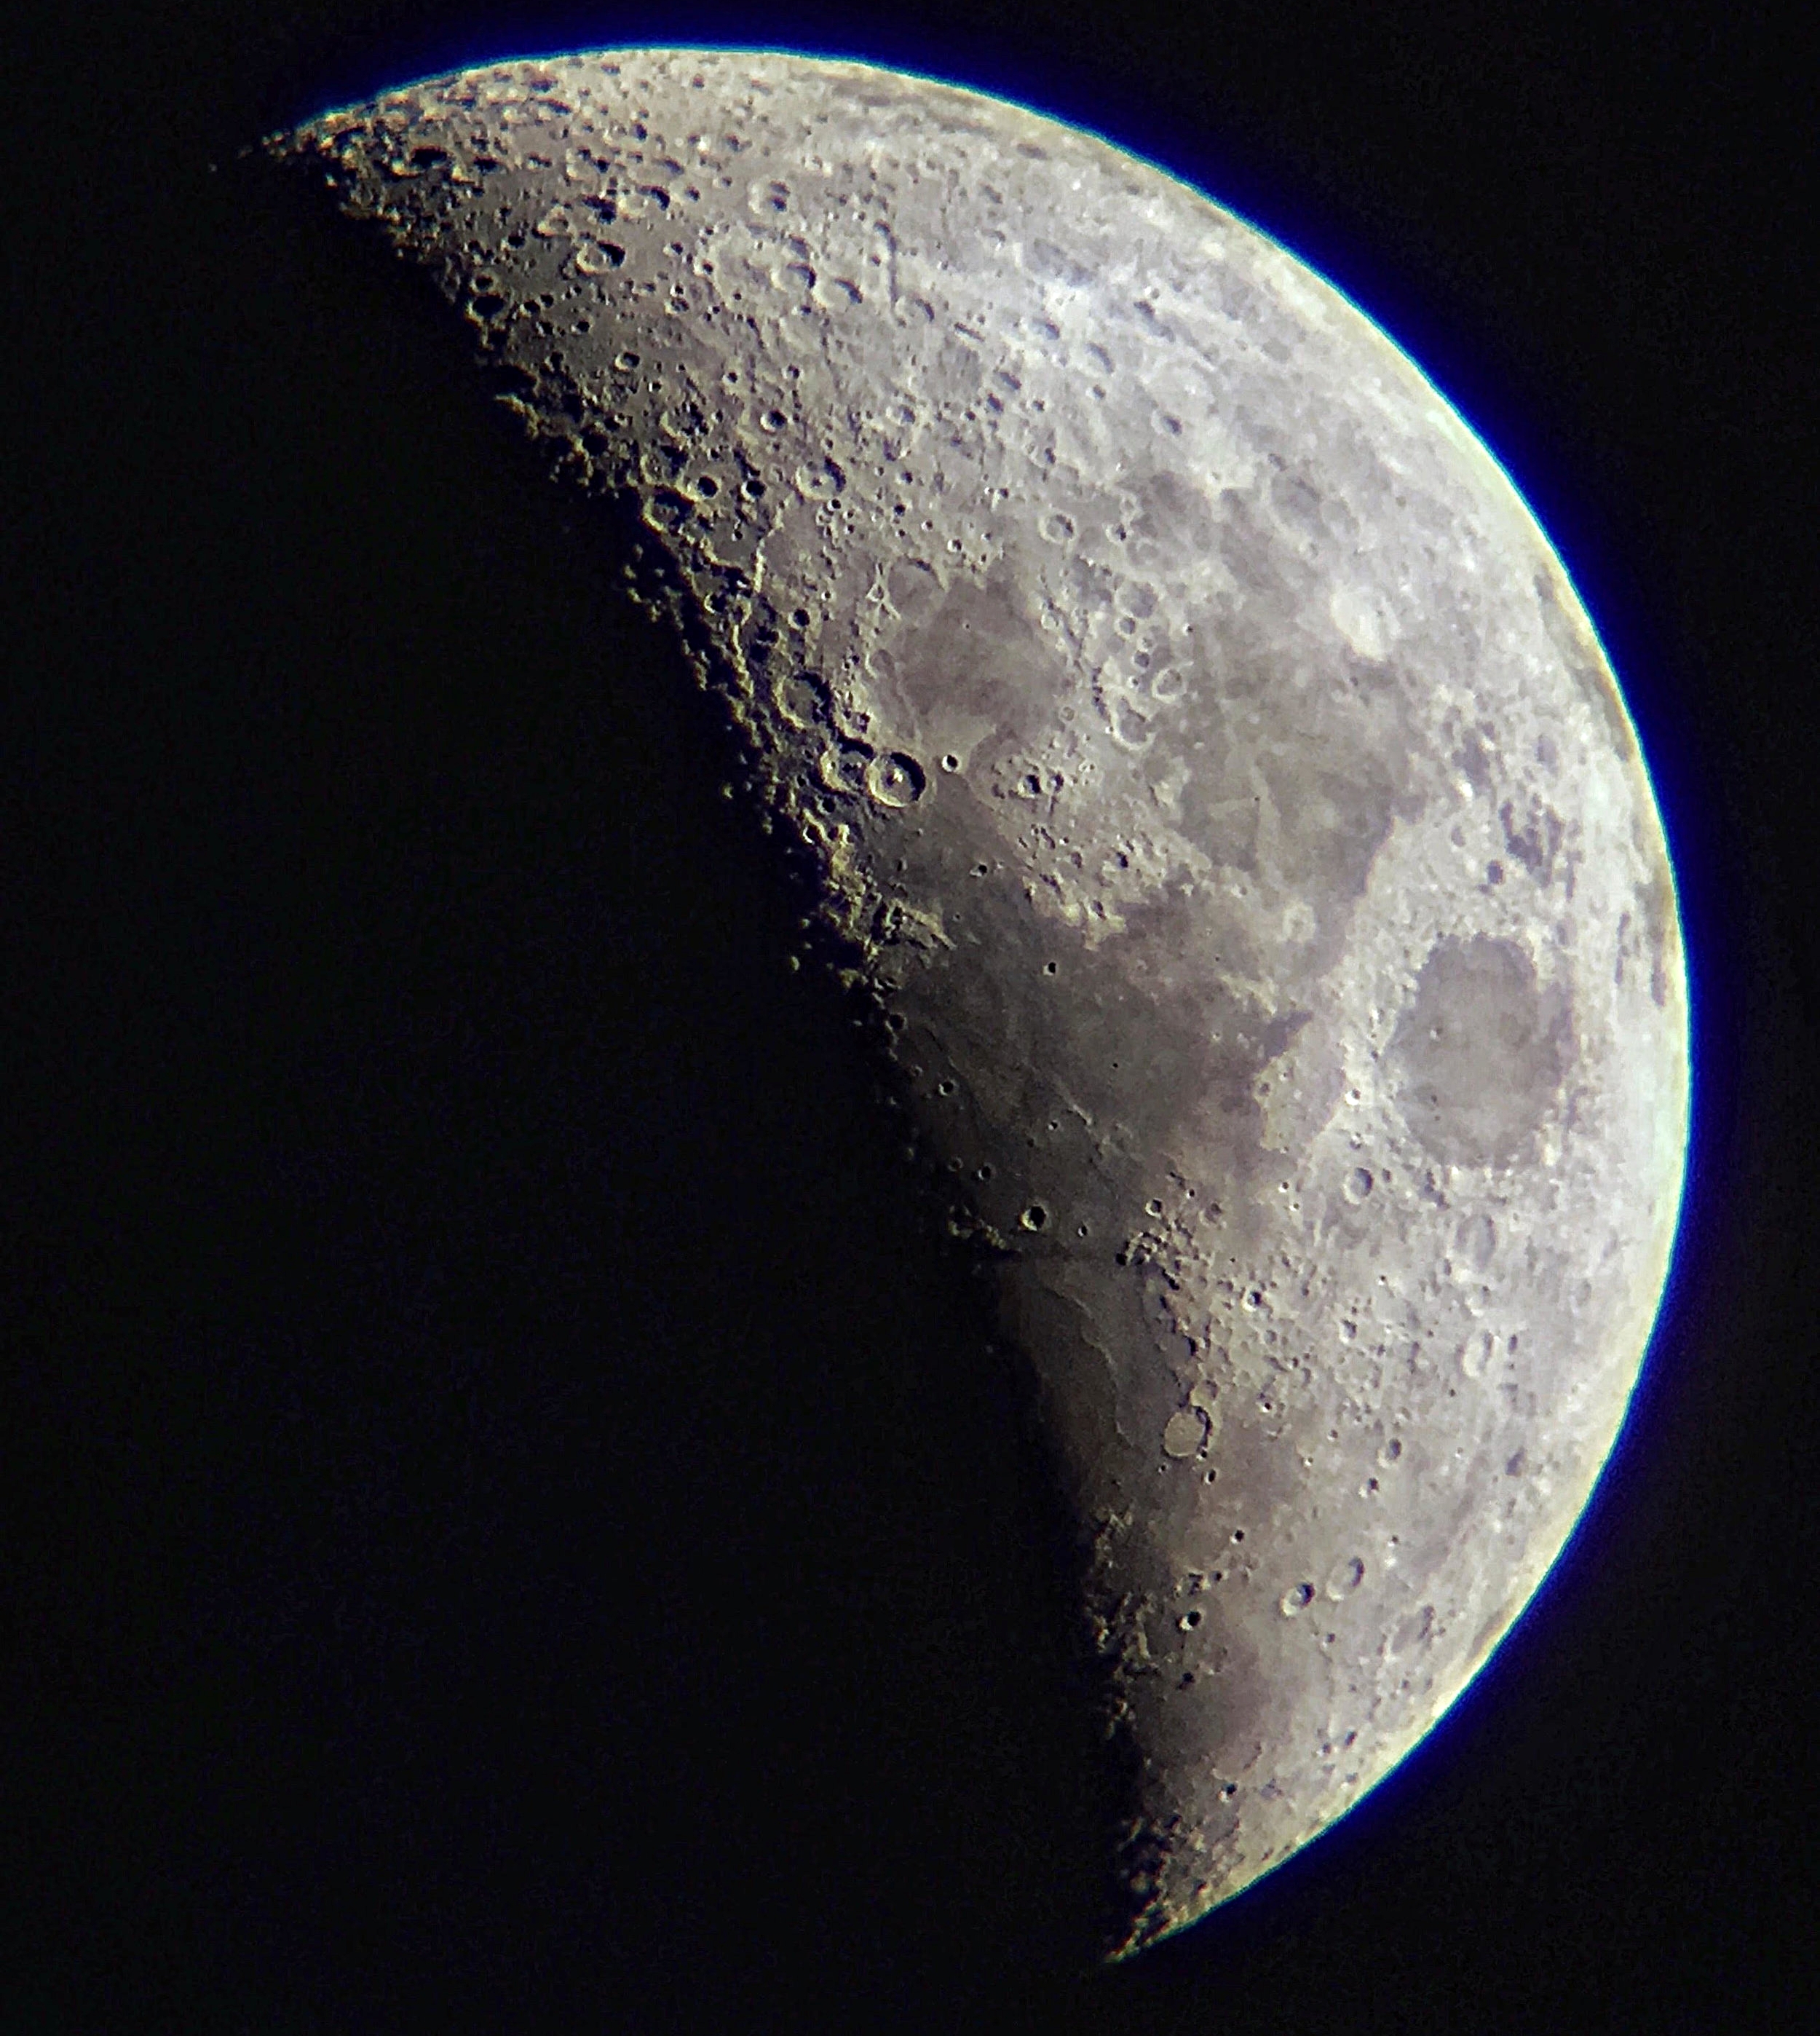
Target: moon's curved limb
{"type": "Point", "coordinates": [1211, 773]}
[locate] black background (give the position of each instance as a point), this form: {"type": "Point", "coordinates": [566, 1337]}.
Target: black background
{"type": "Point", "coordinates": [508, 1524]}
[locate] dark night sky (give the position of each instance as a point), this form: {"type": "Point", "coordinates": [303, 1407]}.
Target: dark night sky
{"type": "Point", "coordinates": [509, 1526]}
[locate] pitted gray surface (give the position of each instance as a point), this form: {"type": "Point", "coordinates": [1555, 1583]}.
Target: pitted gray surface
{"type": "Point", "coordinates": [1206, 759]}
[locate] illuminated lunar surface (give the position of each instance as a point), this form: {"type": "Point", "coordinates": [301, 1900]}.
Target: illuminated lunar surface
{"type": "Point", "coordinates": [1209, 772]}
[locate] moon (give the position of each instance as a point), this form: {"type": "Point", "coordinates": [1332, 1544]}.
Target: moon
{"type": "Point", "coordinates": [1209, 777]}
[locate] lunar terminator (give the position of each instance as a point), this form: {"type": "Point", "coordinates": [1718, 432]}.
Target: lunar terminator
{"type": "Point", "coordinates": [1209, 772]}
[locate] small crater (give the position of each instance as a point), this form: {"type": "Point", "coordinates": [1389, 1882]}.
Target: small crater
{"type": "Point", "coordinates": [895, 781]}
{"type": "Point", "coordinates": [1358, 1184]}
{"type": "Point", "coordinates": [1414, 1629]}
{"type": "Point", "coordinates": [1476, 1241]}
{"type": "Point", "coordinates": [1296, 1598]}
{"type": "Point", "coordinates": [821, 482]}
{"type": "Point", "coordinates": [1345, 1578]}
{"type": "Point", "coordinates": [1184, 1433]}
{"type": "Point", "coordinates": [1035, 1217]}
{"type": "Point", "coordinates": [844, 766]}
{"type": "Point", "coordinates": [597, 258]}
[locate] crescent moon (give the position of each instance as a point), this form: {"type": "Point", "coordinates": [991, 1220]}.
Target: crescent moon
{"type": "Point", "coordinates": [1210, 775]}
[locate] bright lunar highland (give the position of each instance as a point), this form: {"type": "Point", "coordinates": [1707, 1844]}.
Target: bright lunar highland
{"type": "Point", "coordinates": [1208, 771]}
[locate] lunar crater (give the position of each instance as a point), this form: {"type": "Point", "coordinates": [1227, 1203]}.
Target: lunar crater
{"type": "Point", "coordinates": [1482, 1052]}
